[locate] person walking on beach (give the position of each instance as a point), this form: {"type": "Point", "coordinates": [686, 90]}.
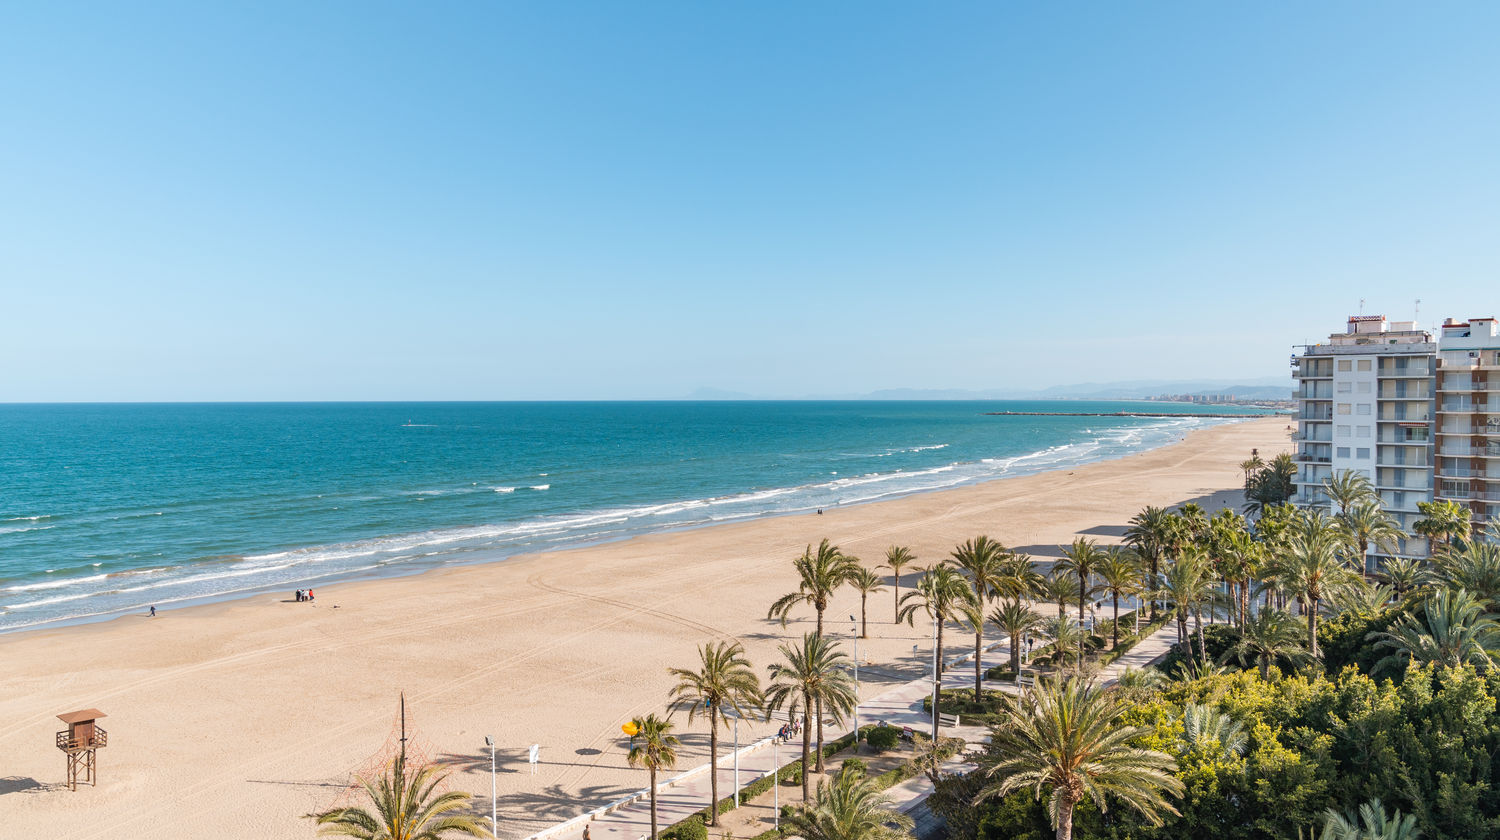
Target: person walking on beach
{"type": "Point", "coordinates": [153, 611]}
{"type": "Point", "coordinates": [309, 595]}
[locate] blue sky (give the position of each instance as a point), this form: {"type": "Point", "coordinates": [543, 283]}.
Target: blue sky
{"type": "Point", "coordinates": [632, 200]}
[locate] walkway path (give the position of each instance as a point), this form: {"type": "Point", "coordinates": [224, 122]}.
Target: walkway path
{"type": "Point", "coordinates": [680, 796]}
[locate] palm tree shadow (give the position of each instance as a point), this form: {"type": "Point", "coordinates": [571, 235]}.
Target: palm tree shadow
{"type": "Point", "coordinates": [554, 803]}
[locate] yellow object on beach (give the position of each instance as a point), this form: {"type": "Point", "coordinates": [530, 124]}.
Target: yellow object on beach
{"type": "Point", "coordinates": [630, 729]}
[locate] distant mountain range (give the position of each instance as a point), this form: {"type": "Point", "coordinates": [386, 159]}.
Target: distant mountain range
{"type": "Point", "coordinates": [1268, 388]}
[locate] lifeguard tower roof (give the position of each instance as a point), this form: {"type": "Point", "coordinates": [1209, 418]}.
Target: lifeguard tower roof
{"type": "Point", "coordinates": [80, 716]}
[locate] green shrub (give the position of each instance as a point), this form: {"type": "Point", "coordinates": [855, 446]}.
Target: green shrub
{"type": "Point", "coordinates": [852, 765]}
{"type": "Point", "coordinates": [883, 738]}
{"type": "Point", "coordinates": [691, 828]}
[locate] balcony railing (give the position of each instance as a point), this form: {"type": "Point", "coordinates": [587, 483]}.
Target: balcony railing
{"type": "Point", "coordinates": [67, 743]}
{"type": "Point", "coordinates": [1490, 451]}
{"type": "Point", "coordinates": [1312, 459]}
{"type": "Point", "coordinates": [1409, 370]}
{"type": "Point", "coordinates": [1315, 415]}
{"type": "Point", "coordinates": [1477, 406]}
{"type": "Point", "coordinates": [1470, 386]}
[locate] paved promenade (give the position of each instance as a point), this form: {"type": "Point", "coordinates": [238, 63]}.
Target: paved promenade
{"type": "Point", "coordinates": [899, 706]}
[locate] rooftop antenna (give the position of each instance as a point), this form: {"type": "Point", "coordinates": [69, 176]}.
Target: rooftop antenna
{"type": "Point", "coordinates": [1417, 311]}
{"type": "Point", "coordinates": [1361, 307]}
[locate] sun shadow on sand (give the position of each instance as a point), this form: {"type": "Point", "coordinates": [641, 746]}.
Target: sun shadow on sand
{"type": "Point", "coordinates": [555, 803]}
{"type": "Point", "coordinates": [18, 784]}
{"type": "Point", "coordinates": [293, 783]}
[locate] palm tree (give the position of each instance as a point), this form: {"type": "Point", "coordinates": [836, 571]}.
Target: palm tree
{"type": "Point", "coordinates": [1150, 533]}
{"type": "Point", "coordinates": [1057, 588]}
{"type": "Point", "coordinates": [1453, 630]}
{"type": "Point", "coordinates": [1371, 823]}
{"type": "Point", "coordinates": [654, 747]}
{"type": "Point", "coordinates": [1348, 488]}
{"type": "Point", "coordinates": [1404, 574]}
{"type": "Point", "coordinates": [1067, 636]}
{"type": "Point", "coordinates": [820, 574]}
{"type": "Point", "coordinates": [898, 557]}
{"type": "Point", "coordinates": [1442, 521]}
{"type": "Point", "coordinates": [1015, 620]}
{"type": "Point", "coordinates": [814, 677]}
{"type": "Point", "coordinates": [1065, 737]}
{"type": "Point", "coordinates": [1368, 524]}
{"type": "Point", "coordinates": [1020, 578]}
{"type": "Point", "coordinates": [406, 807]}
{"type": "Point", "coordinates": [1313, 564]}
{"type": "Point", "coordinates": [1083, 559]}
{"type": "Point", "coordinates": [1474, 565]}
{"type": "Point", "coordinates": [723, 682]}
{"type": "Point", "coordinates": [1268, 635]}
{"type": "Point", "coordinates": [1121, 576]}
{"type": "Point", "coordinates": [1360, 596]}
{"type": "Point", "coordinates": [1272, 486]}
{"type": "Point", "coordinates": [1208, 731]}
{"type": "Point", "coordinates": [865, 582]}
{"type": "Point", "coordinates": [849, 807]}
{"type": "Point", "coordinates": [940, 593]}
{"type": "Point", "coordinates": [1249, 466]}
{"type": "Point", "coordinates": [982, 560]}
{"type": "Point", "coordinates": [1188, 586]}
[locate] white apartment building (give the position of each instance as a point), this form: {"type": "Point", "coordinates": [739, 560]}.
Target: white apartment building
{"type": "Point", "coordinates": [1468, 417]}
{"type": "Point", "coordinates": [1365, 403]}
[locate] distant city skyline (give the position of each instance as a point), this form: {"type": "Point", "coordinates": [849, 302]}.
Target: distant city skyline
{"type": "Point", "coordinates": [381, 201]}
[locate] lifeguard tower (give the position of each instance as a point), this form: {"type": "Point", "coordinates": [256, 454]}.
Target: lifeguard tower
{"type": "Point", "coordinates": [80, 741]}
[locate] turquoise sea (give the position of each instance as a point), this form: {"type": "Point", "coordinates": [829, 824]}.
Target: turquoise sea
{"type": "Point", "coordinates": [107, 509]}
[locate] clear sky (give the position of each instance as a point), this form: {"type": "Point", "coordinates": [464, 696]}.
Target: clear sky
{"type": "Point", "coordinates": [550, 200]}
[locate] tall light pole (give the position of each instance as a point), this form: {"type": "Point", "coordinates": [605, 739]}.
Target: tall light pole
{"type": "Point", "coordinates": [854, 630]}
{"type": "Point", "coordinates": [736, 760]}
{"type": "Point", "coordinates": [494, 806]}
{"type": "Point", "coordinates": [775, 784]}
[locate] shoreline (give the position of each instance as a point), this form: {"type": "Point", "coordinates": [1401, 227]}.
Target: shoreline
{"type": "Point", "coordinates": [499, 555]}
{"type": "Point", "coordinates": [284, 700]}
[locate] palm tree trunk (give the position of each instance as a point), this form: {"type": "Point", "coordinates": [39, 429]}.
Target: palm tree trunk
{"type": "Point", "coordinates": [862, 597]}
{"type": "Point", "coordinates": [1064, 819]}
{"type": "Point", "coordinates": [1154, 571]}
{"type": "Point", "coordinates": [1312, 627]}
{"type": "Point", "coordinates": [940, 648]}
{"type": "Point", "coordinates": [1116, 643]}
{"type": "Point", "coordinates": [1265, 671]}
{"type": "Point", "coordinates": [806, 741]}
{"type": "Point", "coordinates": [653, 803]}
{"type": "Point", "coordinates": [1015, 657]}
{"type": "Point", "coordinates": [1198, 621]}
{"type": "Point", "coordinates": [978, 671]}
{"type": "Point", "coordinates": [820, 622]}
{"type": "Point", "coordinates": [713, 767]}
{"type": "Point", "coordinates": [896, 597]}
{"type": "Point", "coordinates": [820, 734]}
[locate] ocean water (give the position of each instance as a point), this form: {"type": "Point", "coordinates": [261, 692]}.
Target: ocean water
{"type": "Point", "coordinates": [107, 509]}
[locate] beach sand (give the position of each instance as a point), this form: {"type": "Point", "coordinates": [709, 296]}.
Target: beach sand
{"type": "Point", "coordinates": [230, 720]}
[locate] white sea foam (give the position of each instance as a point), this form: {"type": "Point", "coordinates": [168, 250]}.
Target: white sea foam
{"type": "Point", "coordinates": [52, 584]}
{"type": "Point", "coordinates": [21, 529]}
{"type": "Point", "coordinates": [505, 489]}
{"type": "Point", "coordinates": [541, 487]}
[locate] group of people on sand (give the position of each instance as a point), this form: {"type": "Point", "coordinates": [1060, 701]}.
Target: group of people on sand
{"type": "Point", "coordinates": [790, 730]}
{"type": "Point", "coordinates": [304, 595]}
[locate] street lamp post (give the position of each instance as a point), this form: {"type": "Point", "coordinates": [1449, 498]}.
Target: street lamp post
{"type": "Point", "coordinates": [854, 630]}
{"type": "Point", "coordinates": [775, 783]}
{"type": "Point", "coordinates": [494, 802]}
{"type": "Point", "coordinates": [736, 760]}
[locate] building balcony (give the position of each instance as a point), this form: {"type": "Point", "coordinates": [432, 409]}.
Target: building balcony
{"type": "Point", "coordinates": [1468, 406]}
{"type": "Point", "coordinates": [1311, 414]}
{"type": "Point", "coordinates": [1490, 451]}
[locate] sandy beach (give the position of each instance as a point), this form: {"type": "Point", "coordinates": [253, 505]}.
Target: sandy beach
{"type": "Point", "coordinates": [231, 720]}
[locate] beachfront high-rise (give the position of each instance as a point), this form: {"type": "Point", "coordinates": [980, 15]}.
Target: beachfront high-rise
{"type": "Point", "coordinates": [1468, 417]}
{"type": "Point", "coordinates": [1365, 403]}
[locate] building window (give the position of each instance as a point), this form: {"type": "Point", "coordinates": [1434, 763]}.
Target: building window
{"type": "Point", "coordinates": [1364, 408]}
{"type": "Point", "coordinates": [1364, 387]}
{"type": "Point", "coordinates": [1343, 452]}
{"type": "Point", "coordinates": [1364, 364]}
{"type": "Point", "coordinates": [1362, 431]}
{"type": "Point", "coordinates": [1346, 387]}
{"type": "Point", "coordinates": [1344, 408]}
{"type": "Point", "coordinates": [1362, 452]}
{"type": "Point", "coordinates": [1341, 431]}
{"type": "Point", "coordinates": [1345, 364]}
